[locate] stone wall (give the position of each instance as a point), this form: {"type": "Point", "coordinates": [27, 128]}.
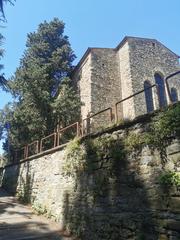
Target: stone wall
{"type": "Point", "coordinates": [128, 108]}
{"type": "Point", "coordinates": [147, 57]}
{"type": "Point", "coordinates": [106, 89]}
{"type": "Point", "coordinates": [117, 196]}
{"type": "Point", "coordinates": [82, 78]}
{"type": "Point", "coordinates": [105, 85]}
{"type": "Point", "coordinates": [40, 181]}
{"type": "Point", "coordinates": [106, 76]}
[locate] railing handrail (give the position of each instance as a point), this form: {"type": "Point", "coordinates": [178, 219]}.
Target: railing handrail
{"type": "Point", "coordinates": [172, 75]}
{"type": "Point", "coordinates": [95, 114]}
{"type": "Point", "coordinates": [50, 135]}
{"type": "Point", "coordinates": [104, 110]}
{"type": "Point", "coordinates": [77, 124]}
{"type": "Point", "coordinates": [30, 144]}
{"type": "Point", "coordinates": [131, 96]}
{"type": "Point", "coordinates": [143, 90]}
{"type": "Point", "coordinates": [167, 84]}
{"type": "Point", "coordinates": [69, 126]}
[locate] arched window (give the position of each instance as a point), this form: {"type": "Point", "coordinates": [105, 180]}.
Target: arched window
{"type": "Point", "coordinates": [148, 96]}
{"type": "Point", "coordinates": [174, 95]}
{"type": "Point", "coordinates": [161, 90]}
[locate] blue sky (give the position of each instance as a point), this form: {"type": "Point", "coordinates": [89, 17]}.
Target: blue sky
{"type": "Point", "coordinates": [90, 23]}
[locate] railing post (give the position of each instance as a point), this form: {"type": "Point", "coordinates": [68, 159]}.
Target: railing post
{"type": "Point", "coordinates": [168, 90]}
{"type": "Point", "coordinates": [111, 117]}
{"type": "Point", "coordinates": [55, 136]}
{"type": "Point", "coordinates": [40, 147]}
{"type": "Point", "coordinates": [58, 136]}
{"type": "Point", "coordinates": [158, 98]}
{"type": "Point", "coordinates": [27, 150]}
{"type": "Point", "coordinates": [15, 156]}
{"type": "Point", "coordinates": [77, 130]}
{"type": "Point", "coordinates": [82, 127]}
{"type": "Point", "coordinates": [167, 85]}
{"type": "Point", "coordinates": [116, 114]}
{"type": "Point", "coordinates": [37, 147]}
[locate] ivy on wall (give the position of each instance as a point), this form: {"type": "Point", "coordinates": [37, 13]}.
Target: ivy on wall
{"type": "Point", "coordinates": [162, 129]}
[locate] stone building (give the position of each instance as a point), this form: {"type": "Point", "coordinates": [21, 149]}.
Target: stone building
{"type": "Point", "coordinates": [105, 76]}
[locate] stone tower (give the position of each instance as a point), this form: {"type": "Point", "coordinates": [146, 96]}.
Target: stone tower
{"type": "Point", "coordinates": [105, 76]}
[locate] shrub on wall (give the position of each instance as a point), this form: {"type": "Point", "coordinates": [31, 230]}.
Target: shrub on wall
{"type": "Point", "coordinates": [170, 178]}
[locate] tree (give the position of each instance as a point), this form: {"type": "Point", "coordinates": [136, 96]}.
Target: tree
{"type": "Point", "coordinates": [3, 82]}
{"type": "Point", "coordinates": [41, 85]}
{"type": "Point", "coordinates": [2, 8]}
{"type": "Point", "coordinates": [2, 79]}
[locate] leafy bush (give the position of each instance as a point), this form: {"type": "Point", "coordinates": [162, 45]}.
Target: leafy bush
{"type": "Point", "coordinates": [166, 124]}
{"type": "Point", "coordinates": [170, 178]}
{"type": "Point", "coordinates": [75, 158]}
{"type": "Point", "coordinates": [133, 141]}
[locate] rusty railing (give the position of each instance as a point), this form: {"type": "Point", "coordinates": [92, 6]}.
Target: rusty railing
{"type": "Point", "coordinates": [131, 96]}
{"type": "Point", "coordinates": [86, 129]}
{"type": "Point", "coordinates": [20, 154]}
{"type": "Point", "coordinates": [63, 134]}
{"type": "Point", "coordinates": [167, 85]}
{"type": "Point", "coordinates": [67, 133]}
{"type": "Point", "coordinates": [32, 148]}
{"type": "Point", "coordinates": [50, 142]}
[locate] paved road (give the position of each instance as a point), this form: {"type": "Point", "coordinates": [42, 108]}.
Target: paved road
{"type": "Point", "coordinates": [17, 222]}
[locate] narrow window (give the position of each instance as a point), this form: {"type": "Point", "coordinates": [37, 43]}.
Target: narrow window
{"type": "Point", "coordinates": [174, 95]}
{"type": "Point", "coordinates": [161, 90]}
{"type": "Point", "coordinates": [148, 96]}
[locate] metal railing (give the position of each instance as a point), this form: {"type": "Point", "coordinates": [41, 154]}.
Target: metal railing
{"type": "Point", "coordinates": [66, 134]}
{"type": "Point", "coordinates": [20, 154]}
{"type": "Point", "coordinates": [131, 96]}
{"type": "Point", "coordinates": [32, 148]}
{"type": "Point", "coordinates": [48, 142]}
{"type": "Point", "coordinates": [86, 127]}
{"type": "Point", "coordinates": [167, 84]}
{"type": "Point", "coordinates": [87, 123]}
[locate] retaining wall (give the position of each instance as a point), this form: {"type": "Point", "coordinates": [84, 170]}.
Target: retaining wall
{"type": "Point", "coordinates": [118, 199]}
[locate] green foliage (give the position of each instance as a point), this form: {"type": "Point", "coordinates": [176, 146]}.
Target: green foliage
{"type": "Point", "coordinates": [2, 18]}
{"type": "Point", "coordinates": [134, 141]}
{"type": "Point", "coordinates": [102, 171]}
{"type": "Point", "coordinates": [162, 128]}
{"type": "Point", "coordinates": [165, 124]}
{"type": "Point", "coordinates": [2, 79]}
{"type": "Point", "coordinates": [66, 107]}
{"type": "Point", "coordinates": [44, 94]}
{"type": "Point", "coordinates": [99, 151]}
{"type": "Point", "coordinates": [23, 196]}
{"type": "Point", "coordinates": [75, 158]}
{"type": "Point", "coordinates": [140, 236]}
{"type": "Point", "coordinates": [170, 178]}
{"type": "Point", "coordinates": [39, 209]}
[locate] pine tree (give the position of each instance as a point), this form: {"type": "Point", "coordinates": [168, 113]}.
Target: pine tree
{"type": "Point", "coordinates": [3, 82]}
{"type": "Point", "coordinates": [2, 2]}
{"type": "Point", "coordinates": [2, 79]}
{"type": "Point", "coordinates": [43, 75]}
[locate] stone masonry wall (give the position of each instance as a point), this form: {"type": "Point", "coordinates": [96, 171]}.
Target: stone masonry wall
{"type": "Point", "coordinates": [106, 89]}
{"type": "Point", "coordinates": [120, 198]}
{"type": "Point", "coordinates": [105, 76]}
{"type": "Point", "coordinates": [126, 82]}
{"type": "Point", "coordinates": [40, 182]}
{"type": "Point", "coordinates": [105, 84]}
{"type": "Point", "coordinates": [82, 77]}
{"type": "Point", "coordinates": [147, 57]}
